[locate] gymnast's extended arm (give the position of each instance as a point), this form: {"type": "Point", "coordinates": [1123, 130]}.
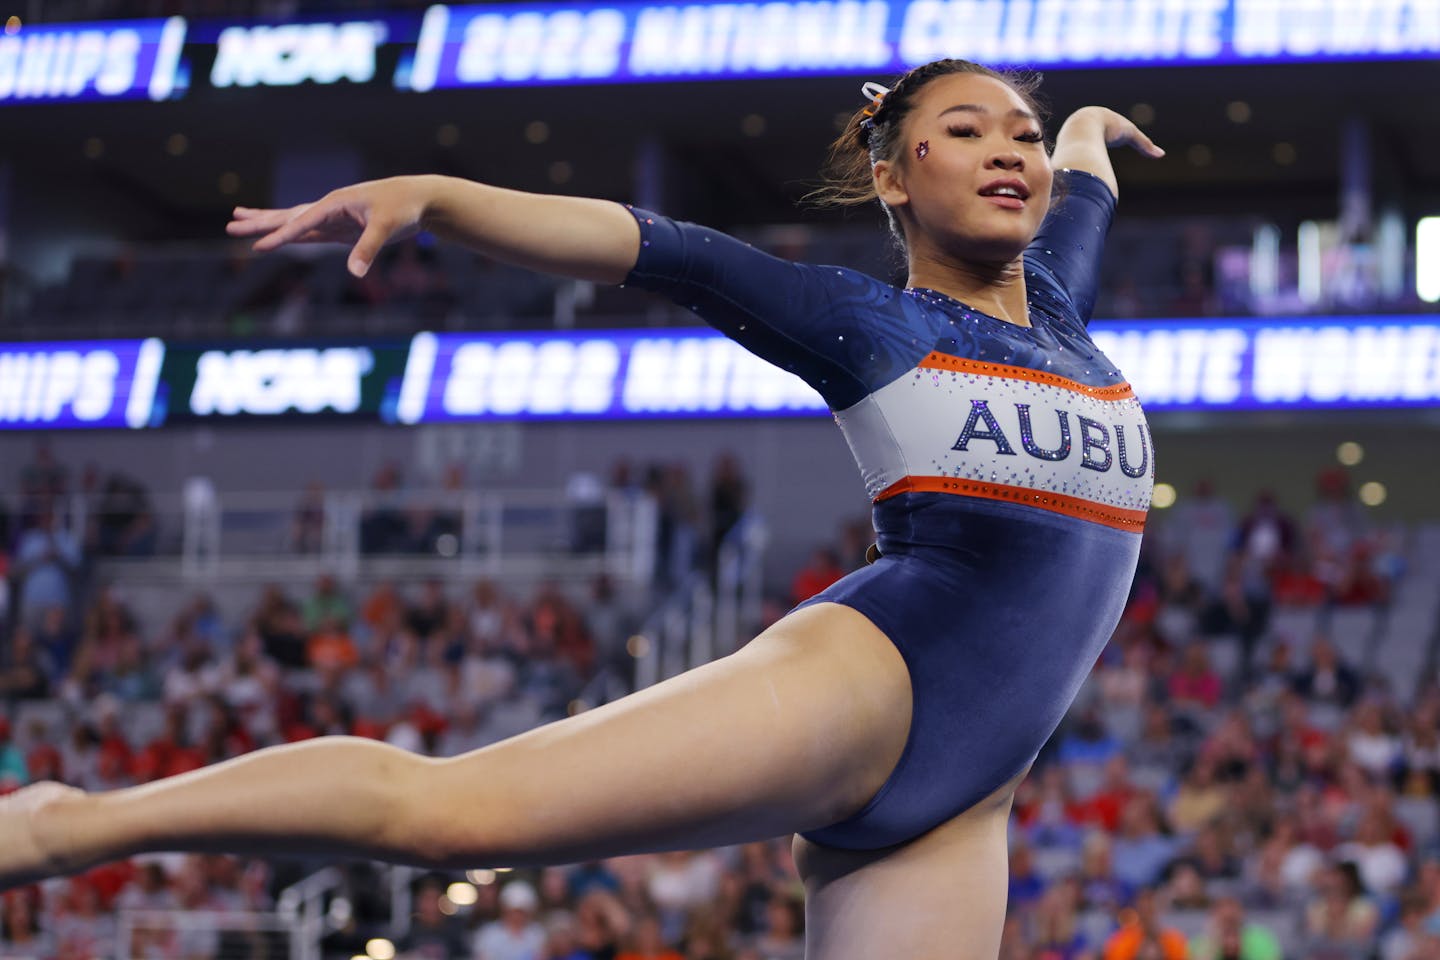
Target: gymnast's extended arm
{"type": "Point", "coordinates": [570, 236]}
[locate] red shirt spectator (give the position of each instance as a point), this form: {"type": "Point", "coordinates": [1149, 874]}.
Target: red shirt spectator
{"type": "Point", "coordinates": [1195, 683]}
{"type": "Point", "coordinates": [822, 571]}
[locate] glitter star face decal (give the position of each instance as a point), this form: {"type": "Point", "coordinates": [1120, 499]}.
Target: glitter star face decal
{"type": "Point", "coordinates": [921, 149]}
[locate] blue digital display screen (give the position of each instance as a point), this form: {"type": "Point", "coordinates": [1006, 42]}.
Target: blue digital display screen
{"type": "Point", "coordinates": [1297, 363]}
{"type": "Point", "coordinates": [123, 60]}
{"type": "Point", "coordinates": [464, 46]}
{"type": "Point", "coordinates": [573, 43]}
{"type": "Point", "coordinates": [95, 383]}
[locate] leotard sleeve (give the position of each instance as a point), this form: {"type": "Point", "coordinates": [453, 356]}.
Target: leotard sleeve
{"type": "Point", "coordinates": [1066, 253]}
{"type": "Point", "coordinates": [841, 331]}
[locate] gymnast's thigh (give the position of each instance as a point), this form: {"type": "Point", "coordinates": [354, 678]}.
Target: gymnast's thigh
{"type": "Point", "coordinates": [797, 729]}
{"type": "Point", "coordinates": [940, 896]}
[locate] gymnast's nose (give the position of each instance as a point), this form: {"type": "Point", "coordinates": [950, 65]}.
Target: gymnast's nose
{"type": "Point", "coordinates": [1006, 160]}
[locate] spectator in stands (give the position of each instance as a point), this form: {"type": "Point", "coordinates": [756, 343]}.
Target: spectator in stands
{"type": "Point", "coordinates": [783, 936]}
{"type": "Point", "coordinates": [1420, 750]}
{"type": "Point", "coordinates": [1195, 686]}
{"type": "Point", "coordinates": [1328, 679]}
{"type": "Point", "coordinates": [1025, 884]}
{"type": "Point", "coordinates": [1266, 536]}
{"type": "Point", "coordinates": [1200, 529]}
{"type": "Point", "coordinates": [560, 942]}
{"type": "Point", "coordinates": [1335, 523]}
{"type": "Point", "coordinates": [822, 571]}
{"type": "Point", "coordinates": [1229, 937]}
{"type": "Point", "coordinates": [82, 927]}
{"type": "Point", "coordinates": [433, 935]}
{"type": "Point", "coordinates": [150, 891]}
{"type": "Point", "coordinates": [678, 883]}
{"type": "Point", "coordinates": [647, 942]}
{"type": "Point", "coordinates": [439, 530]}
{"type": "Point", "coordinates": [21, 933]}
{"type": "Point", "coordinates": [601, 921]}
{"type": "Point", "coordinates": [327, 602]}
{"type": "Point", "coordinates": [1098, 887]}
{"type": "Point", "coordinates": [383, 526]}
{"type": "Point", "coordinates": [729, 495]}
{"type": "Point", "coordinates": [1378, 860]}
{"type": "Point", "coordinates": [1200, 800]}
{"type": "Point", "coordinates": [307, 525]}
{"type": "Point", "coordinates": [14, 772]}
{"type": "Point", "coordinates": [678, 523]}
{"type": "Point", "coordinates": [428, 615]}
{"type": "Point", "coordinates": [24, 670]}
{"type": "Point", "coordinates": [171, 752]}
{"type": "Point", "coordinates": [249, 682]}
{"type": "Point", "coordinates": [1055, 930]}
{"type": "Point", "coordinates": [707, 938]}
{"type": "Point", "coordinates": [1369, 744]}
{"type": "Point", "coordinates": [1237, 610]}
{"type": "Point", "coordinates": [516, 935]}
{"type": "Point", "coordinates": [1143, 934]}
{"type": "Point", "coordinates": [47, 564]}
{"type": "Point", "coordinates": [125, 526]}
{"type": "Point", "coordinates": [1143, 849]}
{"type": "Point", "coordinates": [44, 483]}
{"type": "Point", "coordinates": [330, 648]}
{"type": "Point", "coordinates": [281, 628]}
{"type": "Point", "coordinates": [1407, 940]}
{"type": "Point", "coordinates": [192, 677]}
{"type": "Point", "coordinates": [1340, 920]}
{"type": "Point", "coordinates": [58, 641]}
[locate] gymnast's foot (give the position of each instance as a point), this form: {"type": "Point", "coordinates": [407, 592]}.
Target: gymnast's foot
{"type": "Point", "coordinates": [23, 857]}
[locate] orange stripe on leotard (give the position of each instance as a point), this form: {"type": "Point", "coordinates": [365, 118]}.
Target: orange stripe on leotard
{"type": "Point", "coordinates": [944, 361]}
{"type": "Point", "coordinates": [1117, 517]}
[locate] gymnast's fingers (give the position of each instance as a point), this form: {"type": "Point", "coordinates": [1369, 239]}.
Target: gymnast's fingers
{"type": "Point", "coordinates": [377, 231]}
{"type": "Point", "coordinates": [1121, 130]}
{"type": "Point", "coordinates": [247, 222]}
{"type": "Point", "coordinates": [301, 221]}
{"type": "Point", "coordinates": [1145, 145]}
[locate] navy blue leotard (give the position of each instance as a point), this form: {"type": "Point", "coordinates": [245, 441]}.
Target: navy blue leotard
{"type": "Point", "coordinates": [1010, 469]}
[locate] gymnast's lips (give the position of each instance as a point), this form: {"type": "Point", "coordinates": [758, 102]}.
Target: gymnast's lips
{"type": "Point", "coordinates": [1014, 197]}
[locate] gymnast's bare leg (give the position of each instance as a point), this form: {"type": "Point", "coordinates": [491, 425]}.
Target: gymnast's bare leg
{"type": "Point", "coordinates": [796, 730]}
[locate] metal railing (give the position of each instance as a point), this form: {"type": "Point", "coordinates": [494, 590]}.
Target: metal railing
{"type": "Point", "coordinates": [704, 618]}
{"type": "Point", "coordinates": [203, 535]}
{"type": "Point", "coordinates": [217, 935]}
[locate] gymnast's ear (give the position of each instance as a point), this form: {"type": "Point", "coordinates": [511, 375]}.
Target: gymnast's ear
{"type": "Point", "coordinates": [889, 186]}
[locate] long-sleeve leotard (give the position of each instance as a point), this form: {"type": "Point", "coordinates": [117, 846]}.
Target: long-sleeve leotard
{"type": "Point", "coordinates": [1010, 469]}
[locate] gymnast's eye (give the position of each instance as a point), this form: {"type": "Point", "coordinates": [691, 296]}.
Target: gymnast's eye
{"type": "Point", "coordinates": [1034, 136]}
{"type": "Point", "coordinates": [966, 131]}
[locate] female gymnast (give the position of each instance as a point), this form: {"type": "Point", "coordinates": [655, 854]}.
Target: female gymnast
{"type": "Point", "coordinates": [887, 721]}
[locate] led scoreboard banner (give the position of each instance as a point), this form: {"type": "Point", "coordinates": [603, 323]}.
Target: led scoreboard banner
{"type": "Point", "coordinates": [1187, 365]}
{"type": "Point", "coordinates": [574, 43]}
{"type": "Point", "coordinates": [123, 60]}
{"type": "Point", "coordinates": [569, 43]}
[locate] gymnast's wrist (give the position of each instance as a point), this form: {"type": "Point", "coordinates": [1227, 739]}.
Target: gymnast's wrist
{"type": "Point", "coordinates": [1086, 123]}
{"type": "Point", "coordinates": [60, 827]}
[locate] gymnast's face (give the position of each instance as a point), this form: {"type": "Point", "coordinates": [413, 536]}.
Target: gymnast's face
{"type": "Point", "coordinates": [972, 178]}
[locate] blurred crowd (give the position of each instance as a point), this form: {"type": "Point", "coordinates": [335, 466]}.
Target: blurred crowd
{"type": "Point", "coordinates": [1223, 787]}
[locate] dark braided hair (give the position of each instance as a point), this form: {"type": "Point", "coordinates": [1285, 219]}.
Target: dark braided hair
{"type": "Point", "coordinates": [867, 139]}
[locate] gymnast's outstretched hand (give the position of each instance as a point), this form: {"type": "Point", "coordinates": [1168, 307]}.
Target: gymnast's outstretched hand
{"type": "Point", "coordinates": [1086, 136]}
{"type": "Point", "coordinates": [24, 858]}
{"type": "Point", "coordinates": [365, 215]}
